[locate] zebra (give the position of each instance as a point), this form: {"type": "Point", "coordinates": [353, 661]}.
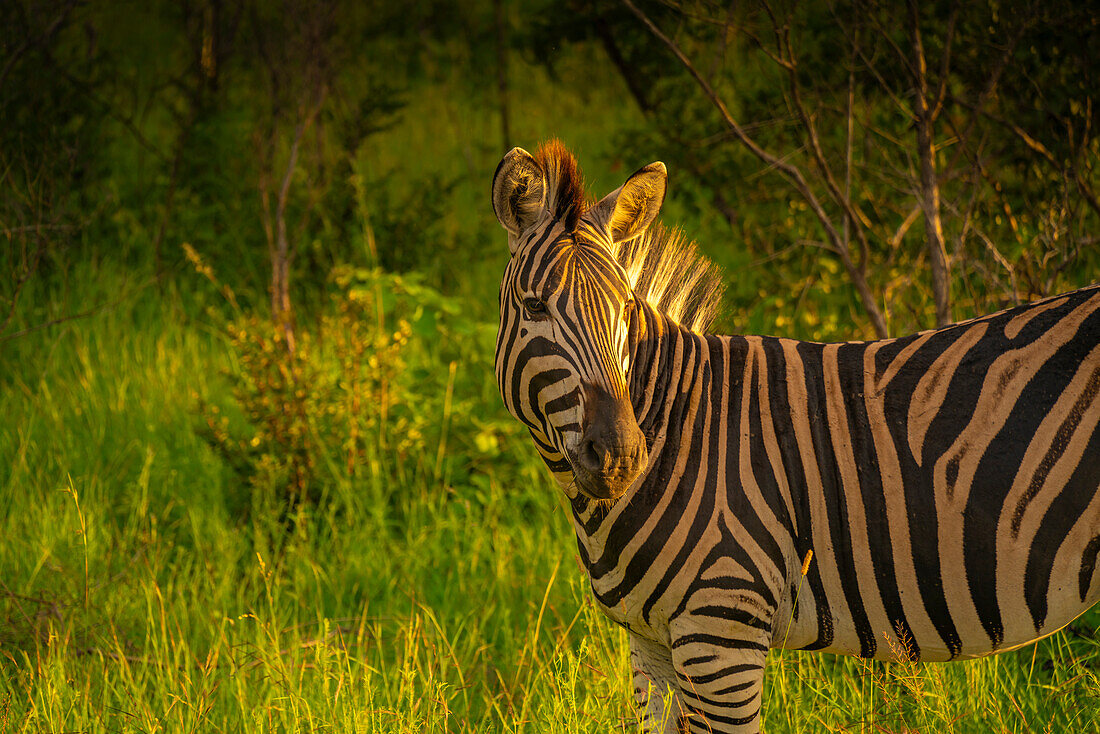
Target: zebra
{"type": "Point", "coordinates": [929, 497]}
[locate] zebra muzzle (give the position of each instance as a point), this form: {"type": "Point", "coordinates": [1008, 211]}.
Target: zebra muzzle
{"type": "Point", "coordinates": [612, 449]}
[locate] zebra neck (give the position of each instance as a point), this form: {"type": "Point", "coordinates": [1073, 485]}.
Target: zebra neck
{"type": "Point", "coordinates": [664, 359]}
{"type": "Point", "coordinates": [669, 373]}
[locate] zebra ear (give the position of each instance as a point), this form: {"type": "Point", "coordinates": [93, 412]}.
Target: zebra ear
{"type": "Point", "coordinates": [519, 193]}
{"type": "Point", "coordinates": [632, 207]}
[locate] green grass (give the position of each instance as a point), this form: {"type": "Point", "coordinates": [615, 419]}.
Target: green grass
{"type": "Point", "coordinates": [143, 590]}
{"type": "Point", "coordinates": [133, 598]}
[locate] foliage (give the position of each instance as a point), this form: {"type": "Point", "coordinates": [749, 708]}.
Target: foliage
{"type": "Point", "coordinates": [361, 398]}
{"type": "Point", "coordinates": [830, 95]}
{"type": "Point", "coordinates": [135, 597]}
{"type": "Point", "coordinates": [160, 434]}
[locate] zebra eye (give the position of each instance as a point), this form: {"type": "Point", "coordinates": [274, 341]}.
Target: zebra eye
{"type": "Point", "coordinates": [534, 306]}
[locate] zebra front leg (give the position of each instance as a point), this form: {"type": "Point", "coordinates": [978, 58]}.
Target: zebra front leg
{"type": "Point", "coordinates": [721, 680]}
{"type": "Point", "coordinates": [656, 690]}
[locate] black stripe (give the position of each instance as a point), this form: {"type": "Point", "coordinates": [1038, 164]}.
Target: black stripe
{"type": "Point", "coordinates": [733, 614]}
{"type": "Point", "coordinates": [570, 399]}
{"type": "Point", "coordinates": [704, 420]}
{"type": "Point", "coordinates": [1057, 447]}
{"type": "Point", "coordinates": [783, 421]}
{"type": "Point", "coordinates": [703, 638]}
{"type": "Point", "coordinates": [762, 469]}
{"type": "Point", "coordinates": [1088, 566]}
{"type": "Point", "coordinates": [718, 718]}
{"type": "Point", "coordinates": [736, 498]}
{"type": "Point", "coordinates": [658, 484]}
{"type": "Point", "coordinates": [833, 491]}
{"type": "Point", "coordinates": [719, 674]}
{"type": "Point", "coordinates": [869, 475]}
{"type": "Point", "coordinates": [917, 478]}
{"type": "Point", "coordinates": [1063, 513]}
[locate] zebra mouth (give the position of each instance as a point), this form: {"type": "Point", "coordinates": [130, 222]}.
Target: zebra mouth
{"type": "Point", "coordinates": [600, 487]}
{"type": "Point", "coordinates": [611, 482]}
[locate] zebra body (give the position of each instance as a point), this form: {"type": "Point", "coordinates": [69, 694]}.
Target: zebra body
{"type": "Point", "coordinates": [947, 483]}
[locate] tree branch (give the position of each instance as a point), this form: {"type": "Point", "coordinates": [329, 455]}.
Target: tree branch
{"type": "Point", "coordinates": [789, 171]}
{"type": "Point", "coordinates": [1037, 146]}
{"type": "Point", "coordinates": [29, 42]}
{"type": "Point", "coordinates": [83, 314]}
{"type": "Point", "coordinates": [841, 198]}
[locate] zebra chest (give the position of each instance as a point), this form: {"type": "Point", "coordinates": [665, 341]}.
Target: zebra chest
{"type": "Point", "coordinates": [709, 579]}
{"type": "Point", "coordinates": [629, 612]}
{"type": "Point", "coordinates": [631, 605]}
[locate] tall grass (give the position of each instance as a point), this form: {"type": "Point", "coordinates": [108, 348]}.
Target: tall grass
{"type": "Point", "coordinates": [134, 598]}
{"type": "Point", "coordinates": [434, 590]}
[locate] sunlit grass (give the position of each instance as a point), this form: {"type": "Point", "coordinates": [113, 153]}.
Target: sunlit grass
{"type": "Point", "coordinates": [134, 599]}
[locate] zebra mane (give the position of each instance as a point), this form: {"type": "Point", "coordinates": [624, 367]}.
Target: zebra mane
{"type": "Point", "coordinates": [668, 272]}
{"type": "Point", "coordinates": [664, 268]}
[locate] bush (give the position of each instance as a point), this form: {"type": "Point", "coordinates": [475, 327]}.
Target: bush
{"type": "Point", "coordinates": [391, 388]}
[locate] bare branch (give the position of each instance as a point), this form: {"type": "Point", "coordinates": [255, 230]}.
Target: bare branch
{"type": "Point", "coordinates": [83, 314]}
{"type": "Point", "coordinates": [945, 62]}
{"type": "Point", "coordinates": [906, 223]}
{"type": "Point", "coordinates": [789, 171]}
{"type": "Point", "coordinates": [902, 106]}
{"type": "Point", "coordinates": [723, 39]}
{"type": "Point", "coordinates": [42, 38]}
{"type": "Point", "coordinates": [775, 55]}
{"type": "Point", "coordinates": [986, 94]}
{"type": "Point", "coordinates": [1037, 146]}
{"type": "Point", "coordinates": [852, 218]}
{"type": "Point", "coordinates": [886, 36]}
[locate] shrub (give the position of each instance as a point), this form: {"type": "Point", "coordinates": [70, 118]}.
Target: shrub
{"type": "Point", "coordinates": [390, 389]}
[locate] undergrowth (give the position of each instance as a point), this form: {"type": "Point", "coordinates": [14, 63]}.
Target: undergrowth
{"type": "Point", "coordinates": [203, 532]}
{"type": "Point", "coordinates": [429, 585]}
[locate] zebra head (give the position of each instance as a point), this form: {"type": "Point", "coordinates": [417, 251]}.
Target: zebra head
{"type": "Point", "coordinates": [568, 317]}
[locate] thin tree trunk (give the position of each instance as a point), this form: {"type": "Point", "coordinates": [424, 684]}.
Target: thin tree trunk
{"type": "Point", "coordinates": [502, 73]}
{"type": "Point", "coordinates": [276, 227]}
{"type": "Point", "coordinates": [929, 192]}
{"type": "Point", "coordinates": [280, 260]}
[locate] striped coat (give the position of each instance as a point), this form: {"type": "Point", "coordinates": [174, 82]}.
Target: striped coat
{"type": "Point", "coordinates": [947, 483]}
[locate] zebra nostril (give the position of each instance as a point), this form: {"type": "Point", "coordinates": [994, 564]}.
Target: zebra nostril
{"type": "Point", "coordinates": [593, 455]}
